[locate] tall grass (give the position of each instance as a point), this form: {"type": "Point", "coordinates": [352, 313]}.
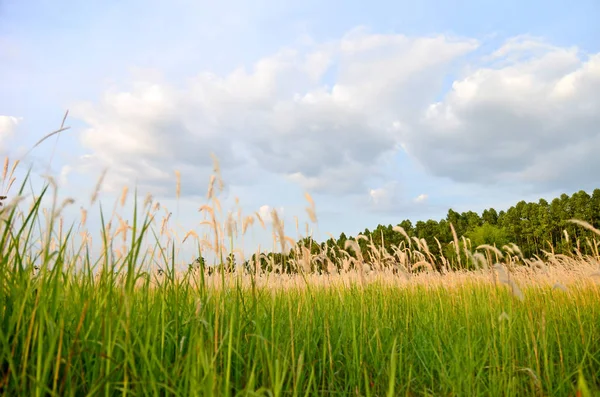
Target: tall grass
{"type": "Point", "coordinates": [75, 325]}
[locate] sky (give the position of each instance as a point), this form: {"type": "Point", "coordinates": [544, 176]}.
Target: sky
{"type": "Point", "coordinates": [381, 110]}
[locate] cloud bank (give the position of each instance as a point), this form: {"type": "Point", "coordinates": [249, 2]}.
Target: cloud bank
{"type": "Point", "coordinates": [327, 115]}
{"type": "Point", "coordinates": [8, 125]}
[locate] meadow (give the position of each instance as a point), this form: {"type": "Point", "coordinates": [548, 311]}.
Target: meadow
{"type": "Point", "coordinates": [134, 321]}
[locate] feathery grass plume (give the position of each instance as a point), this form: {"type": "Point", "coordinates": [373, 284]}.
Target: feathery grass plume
{"type": "Point", "coordinates": [260, 220]}
{"type": "Point", "coordinates": [98, 186]}
{"type": "Point", "coordinates": [516, 291]}
{"type": "Point", "coordinates": [502, 275]}
{"type": "Point", "coordinates": [6, 209]}
{"type": "Point", "coordinates": [51, 181]}
{"type": "Point", "coordinates": [217, 171]}
{"type": "Point", "coordinates": [504, 278]}
{"type": "Point", "coordinates": [439, 245]}
{"type": "Point", "coordinates": [279, 229]}
{"type": "Point", "coordinates": [401, 230]}
{"type": "Point", "coordinates": [83, 212]}
{"type": "Point", "coordinates": [356, 248]}
{"type": "Point", "coordinates": [361, 236]}
{"type": "Point", "coordinates": [428, 253]}
{"type": "Point", "coordinates": [508, 249]}
{"type": "Point", "coordinates": [310, 210]}
{"type": "Point", "coordinates": [481, 261]}
{"type": "Point", "coordinates": [230, 226]}
{"type": "Point", "coordinates": [422, 264]}
{"type": "Point", "coordinates": [205, 222]}
{"type": "Point", "coordinates": [10, 183]}
{"type": "Point", "coordinates": [417, 241]}
{"type": "Point", "coordinates": [593, 246]}
{"type": "Point", "coordinates": [58, 131]}
{"type": "Point", "coordinates": [66, 202]}
{"type": "Point", "coordinates": [124, 195]}
{"type": "Point", "coordinates": [466, 247]}
{"type": "Point", "coordinates": [456, 247]}
{"type": "Point", "coordinates": [206, 208]}
{"type": "Point", "coordinates": [211, 187]}
{"type": "Point", "coordinates": [14, 167]}
{"type": "Point", "coordinates": [5, 168]}
{"type": "Point", "coordinates": [190, 233]}
{"type": "Point", "coordinates": [424, 245]}
{"type": "Point", "coordinates": [122, 229]}
{"type": "Point", "coordinates": [248, 221]}
{"type": "Point", "coordinates": [217, 204]}
{"type": "Point", "coordinates": [164, 223]}
{"type": "Point", "coordinates": [6, 175]}
{"type": "Point", "coordinates": [177, 183]}
{"type": "Point", "coordinates": [585, 225]}
{"type": "Point", "coordinates": [290, 240]}
{"type": "Point", "coordinates": [148, 200]}
{"type": "Point", "coordinates": [304, 259]}
{"type": "Point", "coordinates": [539, 264]}
{"type": "Point", "coordinates": [492, 248]}
{"type": "Point", "coordinates": [516, 250]}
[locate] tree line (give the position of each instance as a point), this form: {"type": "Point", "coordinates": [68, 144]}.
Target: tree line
{"type": "Point", "coordinates": [534, 227]}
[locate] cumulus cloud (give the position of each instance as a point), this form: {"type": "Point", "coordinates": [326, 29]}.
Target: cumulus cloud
{"type": "Point", "coordinates": [421, 198]}
{"type": "Point", "coordinates": [531, 117]}
{"type": "Point", "coordinates": [387, 197]}
{"type": "Point", "coordinates": [284, 116]}
{"type": "Point", "coordinates": [325, 118]}
{"type": "Point", "coordinates": [266, 213]}
{"type": "Point", "coordinates": [392, 198]}
{"type": "Point", "coordinates": [8, 126]}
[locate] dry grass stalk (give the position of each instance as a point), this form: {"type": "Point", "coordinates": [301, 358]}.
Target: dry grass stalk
{"type": "Point", "coordinates": [310, 210]}
{"type": "Point", "coordinates": [66, 202]}
{"type": "Point", "coordinates": [401, 230]}
{"type": "Point", "coordinates": [455, 240]}
{"type": "Point", "coordinates": [248, 221]}
{"type": "Point", "coordinates": [177, 183]}
{"type": "Point", "coordinates": [98, 187]}
{"type": "Point", "coordinates": [5, 168]}
{"type": "Point", "coordinates": [585, 225]}
{"type": "Point", "coordinates": [124, 196]}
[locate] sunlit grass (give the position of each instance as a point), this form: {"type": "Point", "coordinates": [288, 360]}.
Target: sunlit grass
{"type": "Point", "coordinates": [77, 325]}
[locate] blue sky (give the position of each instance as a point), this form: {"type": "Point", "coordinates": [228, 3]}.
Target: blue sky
{"type": "Point", "coordinates": [381, 110]}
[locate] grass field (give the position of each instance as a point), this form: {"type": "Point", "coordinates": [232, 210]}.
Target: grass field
{"type": "Point", "coordinates": [74, 325]}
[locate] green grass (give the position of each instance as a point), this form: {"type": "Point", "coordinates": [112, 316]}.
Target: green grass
{"type": "Point", "coordinates": [78, 333]}
{"type": "Point", "coordinates": [64, 336]}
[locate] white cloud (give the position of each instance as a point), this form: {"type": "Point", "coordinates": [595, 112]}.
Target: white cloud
{"type": "Point", "coordinates": [8, 126]}
{"type": "Point", "coordinates": [392, 198]}
{"type": "Point", "coordinates": [64, 174]}
{"type": "Point", "coordinates": [327, 117]}
{"type": "Point", "coordinates": [281, 116]}
{"type": "Point", "coordinates": [421, 198]}
{"type": "Point", "coordinates": [378, 195]}
{"type": "Point", "coordinates": [387, 197]}
{"type": "Point", "coordinates": [266, 213]}
{"type": "Point", "coordinates": [534, 119]}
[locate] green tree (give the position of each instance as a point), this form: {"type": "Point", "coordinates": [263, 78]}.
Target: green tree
{"type": "Point", "coordinates": [488, 234]}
